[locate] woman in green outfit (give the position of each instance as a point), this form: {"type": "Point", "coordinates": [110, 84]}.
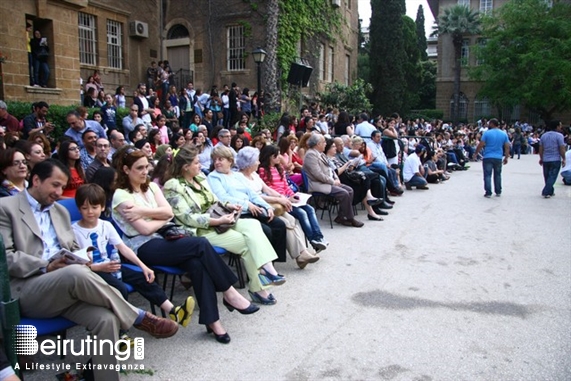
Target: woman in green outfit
{"type": "Point", "coordinates": [190, 197]}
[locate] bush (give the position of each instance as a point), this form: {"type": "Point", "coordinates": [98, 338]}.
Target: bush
{"type": "Point", "coordinates": [426, 114]}
{"type": "Point", "coordinates": [57, 114]}
{"type": "Point", "coordinates": [269, 121]}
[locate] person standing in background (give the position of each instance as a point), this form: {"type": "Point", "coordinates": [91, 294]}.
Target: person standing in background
{"type": "Point", "coordinates": [41, 52]}
{"type": "Point", "coordinates": [30, 55]}
{"type": "Point", "coordinates": [495, 142]}
{"type": "Point", "coordinates": [551, 156]}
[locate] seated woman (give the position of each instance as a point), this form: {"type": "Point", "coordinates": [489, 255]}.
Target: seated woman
{"type": "Point", "coordinates": [204, 147]}
{"type": "Point", "coordinates": [286, 146]}
{"type": "Point", "coordinates": [140, 209]}
{"type": "Point", "coordinates": [229, 187]}
{"type": "Point", "coordinates": [13, 172]}
{"type": "Point", "coordinates": [362, 185]}
{"type": "Point", "coordinates": [190, 196]}
{"type": "Point", "coordinates": [321, 178]}
{"type": "Point", "coordinates": [247, 162]}
{"type": "Point", "coordinates": [273, 175]}
{"type": "Point", "coordinates": [68, 153]}
{"type": "Point", "coordinates": [33, 152]}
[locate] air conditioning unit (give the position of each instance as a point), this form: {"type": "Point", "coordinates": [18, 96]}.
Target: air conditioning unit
{"type": "Point", "coordinates": [139, 29]}
{"type": "Point", "coordinates": [336, 3]}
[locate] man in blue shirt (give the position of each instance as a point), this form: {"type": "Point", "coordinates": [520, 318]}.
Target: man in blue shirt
{"type": "Point", "coordinates": [551, 156]}
{"type": "Point", "coordinates": [496, 144]}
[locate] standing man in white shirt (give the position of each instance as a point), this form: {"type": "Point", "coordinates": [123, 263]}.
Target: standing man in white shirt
{"type": "Point", "coordinates": [364, 129]}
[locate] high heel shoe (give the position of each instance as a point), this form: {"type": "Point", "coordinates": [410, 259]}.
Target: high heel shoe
{"type": "Point", "coordinates": [224, 339]}
{"type": "Point", "coordinates": [373, 218]}
{"type": "Point", "coordinates": [257, 298]}
{"type": "Point", "coordinates": [246, 311]}
{"type": "Point", "coordinates": [276, 280]}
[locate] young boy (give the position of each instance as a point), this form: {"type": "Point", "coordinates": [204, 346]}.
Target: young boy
{"type": "Point", "coordinates": [92, 231]}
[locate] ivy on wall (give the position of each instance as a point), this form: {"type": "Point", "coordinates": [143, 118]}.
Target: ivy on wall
{"type": "Point", "coordinates": [302, 20]}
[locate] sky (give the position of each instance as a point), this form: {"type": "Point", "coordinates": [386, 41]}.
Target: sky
{"type": "Point", "coordinates": [411, 8]}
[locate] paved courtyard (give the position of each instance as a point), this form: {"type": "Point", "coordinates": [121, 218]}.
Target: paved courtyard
{"type": "Point", "coordinates": [451, 286]}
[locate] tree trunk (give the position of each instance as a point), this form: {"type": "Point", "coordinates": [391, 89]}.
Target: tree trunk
{"type": "Point", "coordinates": [271, 83]}
{"type": "Point", "coordinates": [457, 71]}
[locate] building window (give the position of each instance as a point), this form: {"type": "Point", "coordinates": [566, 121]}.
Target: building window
{"type": "Point", "coordinates": [114, 44]}
{"type": "Point", "coordinates": [348, 4]}
{"type": "Point", "coordinates": [347, 69]}
{"type": "Point", "coordinates": [465, 52]}
{"type": "Point", "coordinates": [236, 48]}
{"type": "Point", "coordinates": [330, 65]}
{"type": "Point", "coordinates": [465, 3]}
{"type": "Point", "coordinates": [462, 107]}
{"type": "Point", "coordinates": [87, 39]}
{"type": "Point", "coordinates": [486, 6]}
{"type": "Point", "coordinates": [321, 62]}
{"type": "Point", "coordinates": [482, 108]}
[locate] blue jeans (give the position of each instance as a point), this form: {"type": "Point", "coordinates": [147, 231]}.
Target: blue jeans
{"type": "Point", "coordinates": [417, 181]}
{"type": "Point", "coordinates": [516, 150]}
{"type": "Point", "coordinates": [550, 172]}
{"type": "Point", "coordinates": [308, 221]}
{"type": "Point", "coordinates": [41, 72]}
{"type": "Point", "coordinates": [566, 177]}
{"type": "Point", "coordinates": [495, 166]}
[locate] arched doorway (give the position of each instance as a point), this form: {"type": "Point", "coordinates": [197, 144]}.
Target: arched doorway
{"type": "Point", "coordinates": [178, 54]}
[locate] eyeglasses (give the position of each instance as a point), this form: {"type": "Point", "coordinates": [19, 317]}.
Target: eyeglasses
{"type": "Point", "coordinates": [224, 136]}
{"type": "Point", "coordinates": [76, 148]}
{"type": "Point", "coordinates": [17, 163]}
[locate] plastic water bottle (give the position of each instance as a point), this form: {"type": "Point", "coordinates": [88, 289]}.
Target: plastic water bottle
{"type": "Point", "coordinates": [115, 257]}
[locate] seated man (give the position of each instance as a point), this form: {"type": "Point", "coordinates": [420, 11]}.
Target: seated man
{"type": "Point", "coordinates": [321, 178]}
{"type": "Point", "coordinates": [35, 228]}
{"type": "Point", "coordinates": [413, 171]}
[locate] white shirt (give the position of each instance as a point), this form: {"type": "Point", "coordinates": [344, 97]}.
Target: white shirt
{"type": "Point", "coordinates": [106, 235]}
{"type": "Point", "coordinates": [365, 129]}
{"type": "Point", "coordinates": [47, 230]}
{"type": "Point", "coordinates": [411, 166]}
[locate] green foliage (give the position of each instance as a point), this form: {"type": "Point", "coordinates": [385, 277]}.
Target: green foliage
{"type": "Point", "coordinates": [387, 55]}
{"type": "Point", "coordinates": [302, 20]}
{"type": "Point", "coordinates": [428, 114]}
{"type": "Point", "coordinates": [57, 114]}
{"type": "Point", "coordinates": [421, 33]}
{"type": "Point", "coordinates": [363, 68]}
{"type": "Point", "coordinates": [353, 99]}
{"type": "Point", "coordinates": [534, 67]}
{"type": "Point", "coordinates": [411, 65]}
{"type": "Point", "coordinates": [427, 88]}
{"type": "Point", "coordinates": [270, 121]}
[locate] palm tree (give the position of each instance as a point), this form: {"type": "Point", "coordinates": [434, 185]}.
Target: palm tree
{"type": "Point", "coordinates": [457, 21]}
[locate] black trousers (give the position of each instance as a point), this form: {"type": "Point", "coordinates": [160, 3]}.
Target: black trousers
{"type": "Point", "coordinates": [275, 231]}
{"type": "Point", "coordinates": [195, 255]}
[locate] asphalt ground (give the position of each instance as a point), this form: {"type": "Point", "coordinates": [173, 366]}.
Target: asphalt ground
{"type": "Point", "coordinates": [450, 286]}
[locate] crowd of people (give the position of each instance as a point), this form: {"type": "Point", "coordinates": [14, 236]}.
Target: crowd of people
{"type": "Point", "coordinates": [149, 173]}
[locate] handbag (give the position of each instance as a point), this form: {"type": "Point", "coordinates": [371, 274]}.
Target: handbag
{"type": "Point", "coordinates": [172, 232]}
{"type": "Point", "coordinates": [279, 209]}
{"type": "Point", "coordinates": [356, 176]}
{"type": "Point", "coordinates": [218, 210]}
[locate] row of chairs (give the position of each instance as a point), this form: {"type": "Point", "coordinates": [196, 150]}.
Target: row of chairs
{"type": "Point", "coordinates": [59, 325]}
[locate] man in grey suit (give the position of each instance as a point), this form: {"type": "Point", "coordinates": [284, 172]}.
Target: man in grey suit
{"type": "Point", "coordinates": [34, 228]}
{"type": "Point", "coordinates": [322, 179]}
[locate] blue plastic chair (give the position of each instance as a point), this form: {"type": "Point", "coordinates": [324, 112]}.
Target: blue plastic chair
{"type": "Point", "coordinates": [50, 326]}
{"type": "Point", "coordinates": [69, 204]}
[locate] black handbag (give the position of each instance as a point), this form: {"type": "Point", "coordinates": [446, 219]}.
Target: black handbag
{"type": "Point", "coordinates": [356, 176]}
{"type": "Point", "coordinates": [172, 232]}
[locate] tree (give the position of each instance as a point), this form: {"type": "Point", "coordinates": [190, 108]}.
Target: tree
{"type": "Point", "coordinates": [427, 88]}
{"type": "Point", "coordinates": [458, 21]}
{"type": "Point", "coordinates": [421, 33]}
{"type": "Point", "coordinates": [353, 99]}
{"type": "Point", "coordinates": [387, 55]}
{"type": "Point", "coordinates": [534, 67]}
{"type": "Point", "coordinates": [411, 65]}
{"type": "Point", "coordinates": [272, 96]}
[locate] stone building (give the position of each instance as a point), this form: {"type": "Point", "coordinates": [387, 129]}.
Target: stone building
{"type": "Point", "coordinates": [471, 106]}
{"type": "Point", "coordinates": [207, 42]}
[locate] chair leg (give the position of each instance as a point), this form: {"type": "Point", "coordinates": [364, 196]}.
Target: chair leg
{"type": "Point", "coordinates": [172, 287]}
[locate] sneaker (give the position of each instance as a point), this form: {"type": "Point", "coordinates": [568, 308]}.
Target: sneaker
{"type": "Point", "coordinates": [488, 195]}
{"type": "Point", "coordinates": [183, 313]}
{"type": "Point", "coordinates": [408, 187]}
{"type": "Point", "coordinates": [547, 196]}
{"type": "Point", "coordinates": [156, 326]}
{"type": "Point", "coordinates": [318, 245]}
{"type": "Point", "coordinates": [423, 187]}
{"type": "Point", "coordinates": [124, 346]}
{"type": "Point", "coordinates": [498, 194]}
